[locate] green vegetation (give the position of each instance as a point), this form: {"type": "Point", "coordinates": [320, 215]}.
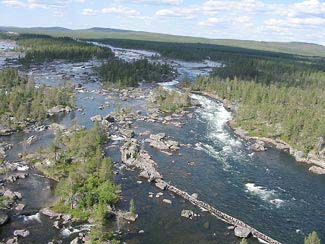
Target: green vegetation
{"type": "Point", "coordinates": [295, 48]}
{"type": "Point", "coordinates": [295, 72]}
{"type": "Point", "coordinates": [170, 101]}
{"type": "Point", "coordinates": [123, 74]}
{"type": "Point", "coordinates": [85, 186]}
{"type": "Point", "coordinates": [195, 51]}
{"type": "Point", "coordinates": [312, 238]}
{"type": "Point", "coordinates": [243, 241]}
{"type": "Point", "coordinates": [132, 206]}
{"type": "Point", "coordinates": [276, 97]}
{"type": "Point", "coordinates": [21, 102]}
{"type": "Point", "coordinates": [295, 115]}
{"type": "Point", "coordinates": [45, 48]}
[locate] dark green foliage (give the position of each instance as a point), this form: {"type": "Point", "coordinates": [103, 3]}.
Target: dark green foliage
{"type": "Point", "coordinates": [21, 100]}
{"type": "Point", "coordinates": [200, 51]}
{"type": "Point", "coordinates": [85, 178]}
{"type": "Point", "coordinates": [42, 48]}
{"type": "Point", "coordinates": [296, 115]}
{"type": "Point", "coordinates": [124, 74]}
{"type": "Point", "coordinates": [312, 238]}
{"type": "Point", "coordinates": [270, 71]}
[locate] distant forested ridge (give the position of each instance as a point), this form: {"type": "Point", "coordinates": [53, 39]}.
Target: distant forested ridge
{"type": "Point", "coordinates": [296, 48]}
{"type": "Point", "coordinates": [40, 48]}
{"type": "Point", "coordinates": [123, 73]}
{"type": "Point", "coordinates": [203, 51]}
{"type": "Point", "coordinates": [21, 101]}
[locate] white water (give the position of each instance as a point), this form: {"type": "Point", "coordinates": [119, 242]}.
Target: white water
{"type": "Point", "coordinates": [266, 195]}
{"type": "Point", "coordinates": [66, 232]}
{"type": "Point", "coordinates": [31, 218]}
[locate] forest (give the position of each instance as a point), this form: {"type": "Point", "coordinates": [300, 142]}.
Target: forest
{"type": "Point", "coordinates": [41, 48]}
{"type": "Point", "coordinates": [200, 51]}
{"type": "Point", "coordinates": [21, 101]}
{"type": "Point", "coordinates": [85, 178]}
{"type": "Point", "coordinates": [293, 114]}
{"type": "Point", "coordinates": [123, 74]}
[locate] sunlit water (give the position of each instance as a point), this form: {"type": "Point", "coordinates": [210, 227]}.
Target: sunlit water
{"type": "Point", "coordinates": [268, 190]}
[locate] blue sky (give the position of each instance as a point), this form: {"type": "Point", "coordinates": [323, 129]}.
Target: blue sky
{"type": "Point", "coordinates": [286, 20]}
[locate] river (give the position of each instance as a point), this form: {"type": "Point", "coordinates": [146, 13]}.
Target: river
{"type": "Point", "coordinates": [268, 190]}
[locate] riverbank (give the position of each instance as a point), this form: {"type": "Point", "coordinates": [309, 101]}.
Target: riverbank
{"type": "Point", "coordinates": [318, 165]}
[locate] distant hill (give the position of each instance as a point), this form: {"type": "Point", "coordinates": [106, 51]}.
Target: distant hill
{"type": "Point", "coordinates": [298, 48]}
{"type": "Point", "coordinates": [106, 30]}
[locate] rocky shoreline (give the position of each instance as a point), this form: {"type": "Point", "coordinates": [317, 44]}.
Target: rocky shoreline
{"type": "Point", "coordinates": [317, 165]}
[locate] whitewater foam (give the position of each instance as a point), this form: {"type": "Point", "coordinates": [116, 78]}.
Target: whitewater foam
{"type": "Point", "coordinates": [266, 195]}
{"type": "Point", "coordinates": [30, 218]}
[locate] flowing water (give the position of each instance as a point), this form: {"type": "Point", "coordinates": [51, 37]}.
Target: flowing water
{"type": "Point", "coordinates": [268, 190]}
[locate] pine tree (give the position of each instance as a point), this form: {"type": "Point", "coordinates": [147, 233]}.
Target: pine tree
{"type": "Point", "coordinates": [312, 238]}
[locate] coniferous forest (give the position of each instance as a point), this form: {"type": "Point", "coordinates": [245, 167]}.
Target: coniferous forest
{"type": "Point", "coordinates": [42, 48]}
{"type": "Point", "coordinates": [124, 74]}
{"type": "Point", "coordinates": [21, 101]}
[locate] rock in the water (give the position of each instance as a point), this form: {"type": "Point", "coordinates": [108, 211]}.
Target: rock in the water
{"type": "Point", "coordinates": [167, 201]}
{"type": "Point", "coordinates": [11, 195]}
{"type": "Point", "coordinates": [187, 214]}
{"type": "Point", "coordinates": [162, 185]}
{"type": "Point", "coordinates": [317, 170]}
{"type": "Point", "coordinates": [129, 216]}
{"type": "Point", "coordinates": [3, 217]}
{"type": "Point", "coordinates": [20, 207]}
{"type": "Point", "coordinates": [195, 195]}
{"type": "Point", "coordinates": [21, 233]}
{"type": "Point", "coordinates": [206, 225]}
{"type": "Point", "coordinates": [96, 118]}
{"type": "Point", "coordinates": [242, 232]}
{"type": "Point", "coordinates": [12, 241]}
{"type": "Point", "coordinates": [258, 146]}
{"type": "Point", "coordinates": [50, 213]}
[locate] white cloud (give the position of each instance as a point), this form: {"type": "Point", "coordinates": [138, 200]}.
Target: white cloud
{"type": "Point", "coordinates": [243, 21]}
{"type": "Point", "coordinates": [153, 2]}
{"type": "Point", "coordinates": [119, 10]}
{"type": "Point", "coordinates": [13, 3]}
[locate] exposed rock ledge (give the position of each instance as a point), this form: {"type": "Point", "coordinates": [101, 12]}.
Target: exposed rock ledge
{"type": "Point", "coordinates": [281, 145]}
{"type": "Point", "coordinates": [133, 157]}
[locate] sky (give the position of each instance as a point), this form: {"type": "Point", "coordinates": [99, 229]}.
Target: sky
{"type": "Point", "coordinates": [263, 20]}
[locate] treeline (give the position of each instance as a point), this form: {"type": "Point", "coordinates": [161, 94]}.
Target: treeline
{"type": "Point", "coordinates": [40, 48]}
{"type": "Point", "coordinates": [200, 51]}
{"type": "Point", "coordinates": [294, 114]}
{"type": "Point", "coordinates": [21, 100]}
{"type": "Point", "coordinates": [268, 71]}
{"type": "Point", "coordinates": [86, 187]}
{"type": "Point", "coordinates": [123, 74]}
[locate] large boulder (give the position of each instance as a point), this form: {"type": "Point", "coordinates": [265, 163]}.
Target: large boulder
{"type": "Point", "coordinates": [189, 214]}
{"type": "Point", "coordinates": [50, 213]}
{"type": "Point", "coordinates": [317, 170]}
{"type": "Point", "coordinates": [21, 233]}
{"type": "Point", "coordinates": [162, 185]}
{"type": "Point", "coordinates": [258, 146]}
{"type": "Point", "coordinates": [242, 232]}
{"type": "Point", "coordinates": [96, 118]}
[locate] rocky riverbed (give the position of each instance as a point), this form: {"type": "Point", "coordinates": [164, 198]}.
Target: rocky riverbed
{"type": "Point", "coordinates": [194, 150]}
